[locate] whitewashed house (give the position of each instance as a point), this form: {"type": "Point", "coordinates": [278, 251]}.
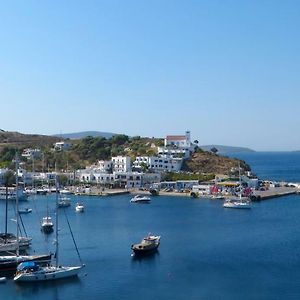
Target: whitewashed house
{"type": "Point", "coordinates": [121, 163]}
{"type": "Point", "coordinates": [31, 153]}
{"type": "Point", "coordinates": [128, 179]}
{"type": "Point", "coordinates": [104, 166]}
{"type": "Point", "coordinates": [159, 163]}
{"type": "Point", "coordinates": [62, 146]}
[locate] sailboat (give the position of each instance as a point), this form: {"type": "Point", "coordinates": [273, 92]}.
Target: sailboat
{"type": "Point", "coordinates": [240, 201]}
{"type": "Point", "coordinates": [9, 263]}
{"type": "Point", "coordinates": [30, 271]}
{"type": "Point", "coordinates": [47, 224]}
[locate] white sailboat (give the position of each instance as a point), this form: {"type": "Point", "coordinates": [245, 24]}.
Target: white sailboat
{"type": "Point", "coordinates": [30, 271]}
{"type": "Point", "coordinates": [238, 202]}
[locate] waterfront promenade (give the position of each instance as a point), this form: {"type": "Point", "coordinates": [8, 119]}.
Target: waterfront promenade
{"type": "Point", "coordinates": [261, 195]}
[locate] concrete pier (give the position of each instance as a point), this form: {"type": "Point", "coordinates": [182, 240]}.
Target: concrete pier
{"type": "Point", "coordinates": [275, 192]}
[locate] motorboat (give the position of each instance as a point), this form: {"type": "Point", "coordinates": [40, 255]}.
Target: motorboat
{"type": "Point", "coordinates": [26, 210]}
{"type": "Point", "coordinates": [47, 225]}
{"type": "Point", "coordinates": [65, 192]}
{"type": "Point", "coordinates": [64, 202]}
{"type": "Point", "coordinates": [140, 199]}
{"type": "Point", "coordinates": [79, 207]}
{"type": "Point", "coordinates": [241, 203]}
{"type": "Point", "coordinates": [149, 244]}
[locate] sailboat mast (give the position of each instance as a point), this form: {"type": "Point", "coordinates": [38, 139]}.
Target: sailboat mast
{"type": "Point", "coordinates": [56, 217]}
{"type": "Point", "coordinates": [240, 182]}
{"type": "Point", "coordinates": [17, 201]}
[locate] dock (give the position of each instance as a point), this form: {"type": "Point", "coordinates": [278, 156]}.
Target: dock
{"type": "Point", "coordinates": [275, 192]}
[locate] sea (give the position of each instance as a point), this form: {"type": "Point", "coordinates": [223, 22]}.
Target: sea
{"type": "Point", "coordinates": [206, 251]}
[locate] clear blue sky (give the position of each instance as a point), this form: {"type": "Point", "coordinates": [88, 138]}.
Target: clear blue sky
{"type": "Point", "coordinates": [226, 70]}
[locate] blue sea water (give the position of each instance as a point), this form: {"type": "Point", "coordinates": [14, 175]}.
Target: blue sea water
{"type": "Point", "coordinates": [279, 166]}
{"type": "Point", "coordinates": [206, 252]}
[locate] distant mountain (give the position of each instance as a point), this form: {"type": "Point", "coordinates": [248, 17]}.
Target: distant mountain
{"type": "Point", "coordinates": [226, 149]}
{"type": "Point", "coordinates": [83, 134]}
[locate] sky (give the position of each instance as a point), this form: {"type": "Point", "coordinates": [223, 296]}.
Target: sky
{"type": "Point", "coordinates": [226, 70]}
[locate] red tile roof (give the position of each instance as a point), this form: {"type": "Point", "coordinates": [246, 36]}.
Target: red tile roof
{"type": "Point", "coordinates": [176, 137]}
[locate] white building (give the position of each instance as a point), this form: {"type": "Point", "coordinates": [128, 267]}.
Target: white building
{"type": "Point", "coordinates": [61, 146]}
{"type": "Point", "coordinates": [104, 166]}
{"type": "Point", "coordinates": [121, 163]}
{"type": "Point", "coordinates": [128, 179]}
{"type": "Point", "coordinates": [159, 163]}
{"type": "Point", "coordinates": [180, 141]}
{"type": "Point", "coordinates": [31, 153]}
{"type": "Point", "coordinates": [179, 146]}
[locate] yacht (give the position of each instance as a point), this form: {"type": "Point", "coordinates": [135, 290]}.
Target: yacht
{"type": "Point", "coordinates": [149, 244]}
{"type": "Point", "coordinates": [140, 199]}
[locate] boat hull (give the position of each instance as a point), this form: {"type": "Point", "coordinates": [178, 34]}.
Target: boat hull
{"type": "Point", "coordinates": [48, 273]}
{"type": "Point", "coordinates": [10, 263]}
{"type": "Point", "coordinates": [47, 228]}
{"type": "Point", "coordinates": [144, 252]}
{"type": "Point", "coordinates": [237, 206]}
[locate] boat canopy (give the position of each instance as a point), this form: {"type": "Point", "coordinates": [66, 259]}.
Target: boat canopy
{"type": "Point", "coordinates": [27, 265]}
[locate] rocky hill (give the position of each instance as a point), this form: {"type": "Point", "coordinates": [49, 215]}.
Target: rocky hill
{"type": "Point", "coordinates": [207, 162]}
{"type": "Point", "coordinates": [88, 150]}
{"type": "Point", "coordinates": [16, 139]}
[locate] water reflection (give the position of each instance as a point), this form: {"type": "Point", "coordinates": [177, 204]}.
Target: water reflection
{"type": "Point", "coordinates": [150, 257]}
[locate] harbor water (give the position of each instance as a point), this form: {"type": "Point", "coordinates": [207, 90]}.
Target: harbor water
{"type": "Point", "coordinates": [206, 251]}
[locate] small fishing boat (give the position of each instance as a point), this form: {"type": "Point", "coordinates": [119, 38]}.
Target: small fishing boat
{"type": "Point", "coordinates": [2, 279]}
{"type": "Point", "coordinates": [27, 210]}
{"type": "Point", "coordinates": [64, 202]}
{"type": "Point", "coordinates": [149, 244]}
{"type": "Point", "coordinates": [140, 199]}
{"type": "Point", "coordinates": [79, 207]}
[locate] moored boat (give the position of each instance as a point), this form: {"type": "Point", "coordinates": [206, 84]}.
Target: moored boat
{"type": "Point", "coordinates": [79, 207]}
{"type": "Point", "coordinates": [47, 225]}
{"type": "Point", "coordinates": [237, 203]}
{"type": "Point", "coordinates": [9, 263]}
{"type": "Point", "coordinates": [26, 210]}
{"type": "Point", "coordinates": [140, 199]}
{"type": "Point", "coordinates": [64, 202]}
{"type": "Point", "coordinates": [149, 244]}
